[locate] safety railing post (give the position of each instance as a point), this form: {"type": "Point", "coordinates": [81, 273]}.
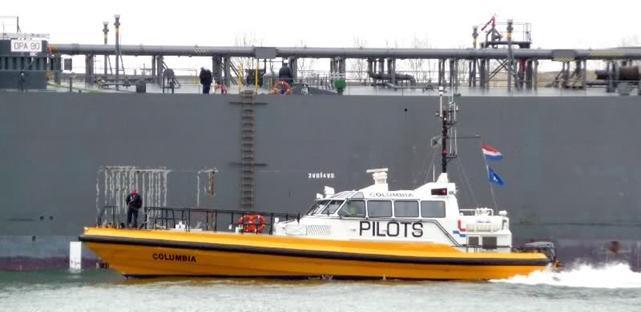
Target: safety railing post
{"type": "Point", "coordinates": [189, 220]}
{"type": "Point", "coordinates": [232, 221]}
{"type": "Point", "coordinates": [215, 221]}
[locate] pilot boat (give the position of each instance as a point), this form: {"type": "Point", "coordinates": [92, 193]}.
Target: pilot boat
{"type": "Point", "coordinates": [371, 232]}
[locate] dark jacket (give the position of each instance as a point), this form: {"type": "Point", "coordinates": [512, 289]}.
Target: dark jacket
{"type": "Point", "coordinates": [134, 200]}
{"type": "Point", "coordinates": [205, 76]}
{"type": "Point", "coordinates": [285, 74]}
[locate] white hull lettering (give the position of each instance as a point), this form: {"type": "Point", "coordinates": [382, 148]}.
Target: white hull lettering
{"type": "Point", "coordinates": [390, 194]}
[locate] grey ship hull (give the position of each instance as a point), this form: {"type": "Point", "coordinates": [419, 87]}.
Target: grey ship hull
{"type": "Point", "coordinates": [571, 163]}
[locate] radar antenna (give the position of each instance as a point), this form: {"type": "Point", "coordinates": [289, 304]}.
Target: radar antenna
{"type": "Point", "coordinates": [447, 114]}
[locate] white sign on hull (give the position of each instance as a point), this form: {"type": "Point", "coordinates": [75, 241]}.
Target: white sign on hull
{"type": "Point", "coordinates": [25, 45]}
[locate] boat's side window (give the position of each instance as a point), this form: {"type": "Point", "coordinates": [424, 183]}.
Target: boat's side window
{"type": "Point", "coordinates": [379, 208]}
{"type": "Point", "coordinates": [473, 241]}
{"type": "Point", "coordinates": [432, 209]}
{"type": "Point", "coordinates": [406, 209]}
{"type": "Point", "coordinates": [353, 208]}
{"type": "Point", "coordinates": [489, 242]}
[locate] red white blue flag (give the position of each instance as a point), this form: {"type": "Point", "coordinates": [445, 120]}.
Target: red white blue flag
{"type": "Point", "coordinates": [491, 153]}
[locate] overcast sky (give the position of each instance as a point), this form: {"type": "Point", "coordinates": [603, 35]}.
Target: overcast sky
{"type": "Point", "coordinates": [444, 24]}
{"type": "Point", "coordinates": [328, 23]}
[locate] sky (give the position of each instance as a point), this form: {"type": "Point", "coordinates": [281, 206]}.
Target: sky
{"type": "Point", "coordinates": [327, 23]}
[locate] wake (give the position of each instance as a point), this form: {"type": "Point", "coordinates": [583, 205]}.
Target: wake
{"type": "Point", "coordinates": [610, 275]}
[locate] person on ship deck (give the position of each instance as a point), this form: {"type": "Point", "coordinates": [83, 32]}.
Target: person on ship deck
{"type": "Point", "coordinates": [205, 79]}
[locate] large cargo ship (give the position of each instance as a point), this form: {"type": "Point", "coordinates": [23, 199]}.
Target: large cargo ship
{"type": "Point", "coordinates": [570, 167]}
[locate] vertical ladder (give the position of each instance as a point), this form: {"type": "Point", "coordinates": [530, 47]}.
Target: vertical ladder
{"type": "Point", "coordinates": [247, 153]}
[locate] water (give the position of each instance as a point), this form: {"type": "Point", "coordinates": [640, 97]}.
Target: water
{"type": "Point", "coordinates": [611, 287]}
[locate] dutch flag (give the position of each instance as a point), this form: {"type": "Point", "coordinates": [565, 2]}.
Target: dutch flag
{"type": "Point", "coordinates": [490, 152]}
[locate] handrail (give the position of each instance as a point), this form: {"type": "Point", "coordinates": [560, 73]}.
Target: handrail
{"type": "Point", "coordinates": [170, 217]}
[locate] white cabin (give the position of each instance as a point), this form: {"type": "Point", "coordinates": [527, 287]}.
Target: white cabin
{"type": "Point", "coordinates": [429, 213]}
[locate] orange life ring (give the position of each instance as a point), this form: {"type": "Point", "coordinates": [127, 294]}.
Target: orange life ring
{"type": "Point", "coordinates": [282, 87]}
{"type": "Point", "coordinates": [252, 223]}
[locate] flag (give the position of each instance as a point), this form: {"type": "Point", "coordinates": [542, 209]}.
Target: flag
{"type": "Point", "coordinates": [490, 152]}
{"type": "Point", "coordinates": [435, 141]}
{"type": "Point", "coordinates": [494, 177]}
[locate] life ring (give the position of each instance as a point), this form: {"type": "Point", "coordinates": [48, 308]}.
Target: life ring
{"type": "Point", "coordinates": [252, 223]}
{"type": "Point", "coordinates": [281, 87]}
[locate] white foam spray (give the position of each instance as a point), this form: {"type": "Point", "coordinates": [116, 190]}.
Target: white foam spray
{"type": "Point", "coordinates": [610, 275]}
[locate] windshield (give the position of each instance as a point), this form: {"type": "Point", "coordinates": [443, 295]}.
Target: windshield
{"type": "Point", "coordinates": [317, 207]}
{"type": "Point", "coordinates": [327, 207]}
{"type": "Point", "coordinates": [331, 207]}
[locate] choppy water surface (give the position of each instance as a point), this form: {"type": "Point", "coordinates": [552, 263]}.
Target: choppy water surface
{"type": "Point", "coordinates": [578, 288]}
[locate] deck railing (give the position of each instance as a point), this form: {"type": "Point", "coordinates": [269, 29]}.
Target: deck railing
{"type": "Point", "coordinates": [189, 219]}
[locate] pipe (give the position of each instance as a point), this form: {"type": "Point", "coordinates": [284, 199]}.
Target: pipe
{"type": "Point", "coordinates": [306, 52]}
{"type": "Point", "coordinates": [388, 77]}
{"type": "Point", "coordinates": [117, 49]}
{"type": "Point", "coordinates": [105, 31]}
{"type": "Point", "coordinates": [625, 73]}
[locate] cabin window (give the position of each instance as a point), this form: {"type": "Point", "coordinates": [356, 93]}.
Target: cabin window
{"type": "Point", "coordinates": [379, 208]}
{"type": "Point", "coordinates": [473, 241]}
{"type": "Point", "coordinates": [317, 207]}
{"type": "Point", "coordinates": [489, 242]}
{"type": "Point", "coordinates": [332, 207]}
{"type": "Point", "coordinates": [406, 209]}
{"type": "Point", "coordinates": [353, 208]}
{"type": "Point", "coordinates": [432, 209]}
{"type": "Point", "coordinates": [325, 207]}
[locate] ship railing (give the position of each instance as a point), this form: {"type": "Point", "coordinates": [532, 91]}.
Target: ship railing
{"type": "Point", "coordinates": [195, 219]}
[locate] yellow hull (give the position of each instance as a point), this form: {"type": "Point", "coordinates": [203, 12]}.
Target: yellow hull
{"type": "Point", "coordinates": [169, 253]}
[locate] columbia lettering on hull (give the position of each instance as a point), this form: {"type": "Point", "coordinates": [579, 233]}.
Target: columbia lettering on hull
{"type": "Point", "coordinates": [173, 257]}
{"type": "Point", "coordinates": [563, 181]}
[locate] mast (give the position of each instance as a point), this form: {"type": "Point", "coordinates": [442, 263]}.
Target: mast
{"type": "Point", "coordinates": [447, 114]}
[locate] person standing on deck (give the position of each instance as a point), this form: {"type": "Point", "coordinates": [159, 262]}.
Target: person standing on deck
{"type": "Point", "coordinates": [134, 202]}
{"type": "Point", "coordinates": [205, 79]}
